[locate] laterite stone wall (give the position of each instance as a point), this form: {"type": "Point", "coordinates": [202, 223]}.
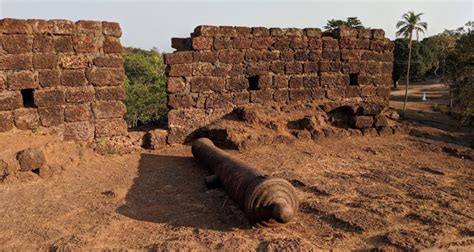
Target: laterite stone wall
{"type": "Point", "coordinates": [220, 68]}
{"type": "Point", "coordinates": [62, 77]}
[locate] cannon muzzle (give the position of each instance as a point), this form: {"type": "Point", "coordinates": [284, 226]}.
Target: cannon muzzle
{"type": "Point", "coordinates": [266, 201]}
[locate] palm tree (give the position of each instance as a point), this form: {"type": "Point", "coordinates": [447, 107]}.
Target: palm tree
{"type": "Point", "coordinates": [410, 23]}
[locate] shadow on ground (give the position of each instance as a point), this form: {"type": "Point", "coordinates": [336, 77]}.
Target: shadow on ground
{"type": "Point", "coordinates": [171, 190]}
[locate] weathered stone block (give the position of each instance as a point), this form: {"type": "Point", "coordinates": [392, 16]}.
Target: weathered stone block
{"type": "Point", "coordinates": [108, 109]}
{"type": "Point", "coordinates": [300, 95]}
{"type": "Point", "coordinates": [223, 43]}
{"type": "Point", "coordinates": [63, 44]}
{"type": "Point", "coordinates": [362, 122]}
{"type": "Point", "coordinates": [180, 101]}
{"type": "Point", "coordinates": [43, 43]}
{"type": "Point", "coordinates": [157, 138]}
{"type": "Point", "coordinates": [281, 95]}
{"type": "Point", "coordinates": [44, 61]}
{"type": "Point", "coordinates": [77, 113]}
{"type": "Point", "coordinates": [39, 26]}
{"type": "Point", "coordinates": [329, 54]}
{"type": "Point", "coordinates": [202, 43]}
{"type": "Point", "coordinates": [241, 43]}
{"type": "Point", "coordinates": [261, 42]}
{"type": "Point", "coordinates": [257, 68]}
{"type": "Point", "coordinates": [378, 34]}
{"type": "Point", "coordinates": [280, 81]}
{"type": "Point", "coordinates": [10, 100]}
{"type": "Point", "coordinates": [181, 44]}
{"type": "Point", "coordinates": [277, 67]}
{"type": "Point", "coordinates": [61, 27]}
{"type": "Point", "coordinates": [310, 81]}
{"type": "Point", "coordinates": [240, 98]}
{"type": "Point", "coordinates": [51, 116]}
{"type": "Point", "coordinates": [178, 57]}
{"type": "Point", "coordinates": [175, 85]}
{"type": "Point", "coordinates": [92, 28]}
{"type": "Point", "coordinates": [336, 93]}
{"type": "Point", "coordinates": [203, 69]}
{"type": "Point", "coordinates": [78, 131]}
{"type": "Point", "coordinates": [106, 76]}
{"type": "Point", "coordinates": [205, 56]}
{"type": "Point", "coordinates": [110, 127]}
{"type": "Point", "coordinates": [371, 108]}
{"type": "Point", "coordinates": [265, 81]}
{"type": "Point", "coordinates": [109, 61]}
{"type": "Point", "coordinates": [179, 70]}
{"type": "Point", "coordinates": [17, 44]}
{"type": "Point", "coordinates": [21, 80]}
{"type": "Point", "coordinates": [260, 31]}
{"type": "Point", "coordinates": [281, 43]}
{"type": "Point", "coordinates": [110, 93]}
{"type": "Point", "coordinates": [31, 159]}
{"type": "Point", "coordinates": [16, 62]}
{"type": "Point", "coordinates": [330, 43]}
{"type": "Point", "coordinates": [80, 61]}
{"type": "Point", "coordinates": [293, 68]}
{"type": "Point", "coordinates": [261, 96]}
{"type": "Point", "coordinates": [80, 94]}
{"type": "Point", "coordinates": [310, 67]}
{"type": "Point", "coordinates": [301, 55]}
{"type": "Point", "coordinates": [205, 30]}
{"type": "Point", "coordinates": [343, 31]}
{"type": "Point", "coordinates": [242, 31]}
{"type": "Point", "coordinates": [14, 26]}
{"type": "Point", "coordinates": [218, 101]}
{"type": "Point", "coordinates": [26, 119]}
{"type": "Point", "coordinates": [49, 97]}
{"type": "Point", "coordinates": [231, 56]}
{"type": "Point", "coordinates": [236, 83]}
{"type": "Point", "coordinates": [299, 42]}
{"type": "Point", "coordinates": [85, 44]}
{"type": "Point", "coordinates": [73, 78]}
{"type": "Point", "coordinates": [329, 66]}
{"type": "Point", "coordinates": [296, 82]}
{"type": "Point", "coordinates": [204, 84]}
{"type": "Point", "coordinates": [381, 121]}
{"type": "Point", "coordinates": [112, 45]}
{"type": "Point", "coordinates": [6, 121]}
{"type": "Point", "coordinates": [111, 29]}
{"type": "Point", "coordinates": [312, 32]}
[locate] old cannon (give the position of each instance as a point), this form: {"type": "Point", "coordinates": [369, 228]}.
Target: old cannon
{"type": "Point", "coordinates": [266, 201]}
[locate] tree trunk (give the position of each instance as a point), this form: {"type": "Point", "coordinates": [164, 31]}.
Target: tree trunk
{"type": "Point", "coordinates": [408, 77]}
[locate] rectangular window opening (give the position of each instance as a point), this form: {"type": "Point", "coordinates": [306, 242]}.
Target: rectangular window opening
{"type": "Point", "coordinates": [253, 82]}
{"type": "Point", "coordinates": [28, 98]}
{"type": "Point", "coordinates": [354, 79]}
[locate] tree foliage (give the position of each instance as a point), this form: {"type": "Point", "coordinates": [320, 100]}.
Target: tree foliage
{"type": "Point", "coordinates": [440, 45]}
{"type": "Point", "coordinates": [352, 22]}
{"type": "Point", "coordinates": [145, 86]}
{"type": "Point", "coordinates": [460, 69]}
{"type": "Point", "coordinates": [422, 60]}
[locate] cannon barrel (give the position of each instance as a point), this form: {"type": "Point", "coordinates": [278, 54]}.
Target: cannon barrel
{"type": "Point", "coordinates": [266, 201]}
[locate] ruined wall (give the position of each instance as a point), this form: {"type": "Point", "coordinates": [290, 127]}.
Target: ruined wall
{"type": "Point", "coordinates": [62, 77]}
{"type": "Point", "coordinates": [220, 68]}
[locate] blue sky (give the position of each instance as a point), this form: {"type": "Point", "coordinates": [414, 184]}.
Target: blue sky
{"type": "Point", "coordinates": [149, 24]}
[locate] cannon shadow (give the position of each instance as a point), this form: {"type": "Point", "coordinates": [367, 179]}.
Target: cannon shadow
{"type": "Point", "coordinates": [171, 190]}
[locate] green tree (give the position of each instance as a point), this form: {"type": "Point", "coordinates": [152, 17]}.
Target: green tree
{"type": "Point", "coordinates": [440, 45]}
{"type": "Point", "coordinates": [352, 22]}
{"type": "Point", "coordinates": [145, 86]}
{"type": "Point", "coordinates": [410, 23]}
{"type": "Point", "coordinates": [460, 70]}
{"type": "Point", "coordinates": [422, 59]}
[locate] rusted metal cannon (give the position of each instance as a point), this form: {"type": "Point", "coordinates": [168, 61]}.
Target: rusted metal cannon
{"type": "Point", "coordinates": [266, 201]}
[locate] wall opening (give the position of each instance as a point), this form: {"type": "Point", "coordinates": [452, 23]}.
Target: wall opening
{"type": "Point", "coordinates": [341, 117]}
{"type": "Point", "coordinates": [28, 98]}
{"type": "Point", "coordinates": [253, 82]}
{"type": "Point", "coordinates": [354, 79]}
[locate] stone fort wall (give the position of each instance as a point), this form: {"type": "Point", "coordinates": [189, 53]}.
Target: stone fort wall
{"type": "Point", "coordinates": [62, 77]}
{"type": "Point", "coordinates": [220, 68]}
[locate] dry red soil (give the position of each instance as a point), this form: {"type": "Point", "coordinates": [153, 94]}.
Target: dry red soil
{"type": "Point", "coordinates": [411, 191]}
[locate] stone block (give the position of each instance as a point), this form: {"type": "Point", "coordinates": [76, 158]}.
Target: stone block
{"type": "Point", "coordinates": [80, 61]}
{"type": "Point", "coordinates": [293, 68]}
{"type": "Point", "coordinates": [45, 61]}
{"type": "Point", "coordinates": [205, 84]}
{"type": "Point", "coordinates": [63, 44]}
{"type": "Point", "coordinates": [278, 67]}
{"type": "Point", "coordinates": [106, 76]}
{"type": "Point", "coordinates": [312, 32]}
{"type": "Point", "coordinates": [14, 26]}
{"type": "Point", "coordinates": [110, 93]}
{"type": "Point", "coordinates": [223, 43]}
{"type": "Point", "coordinates": [281, 43]}
{"type": "Point", "coordinates": [39, 26]}
{"type": "Point", "coordinates": [26, 118]}
{"type": "Point", "coordinates": [203, 69]}
{"type": "Point", "coordinates": [280, 81]}
{"type": "Point", "coordinates": [73, 78]}
{"type": "Point", "coordinates": [181, 44]}
{"type": "Point", "coordinates": [240, 98]}
{"type": "Point", "coordinates": [310, 81]}
{"type": "Point", "coordinates": [202, 43]}
{"type": "Point", "coordinates": [157, 138]}
{"type": "Point", "coordinates": [112, 45]}
{"type": "Point", "coordinates": [298, 42]}
{"type": "Point", "coordinates": [178, 57]}
{"type": "Point", "coordinates": [310, 67]}
{"type": "Point", "coordinates": [381, 121]}
{"type": "Point", "coordinates": [260, 32]}
{"type": "Point", "coordinates": [92, 28]}
{"type": "Point", "coordinates": [261, 96]}
{"type": "Point", "coordinates": [85, 44]}
{"type": "Point", "coordinates": [77, 113]}
{"type": "Point", "coordinates": [22, 80]}
{"type": "Point", "coordinates": [175, 85]}
{"type": "Point", "coordinates": [300, 95]}
{"type": "Point", "coordinates": [330, 43]}
{"type": "Point", "coordinates": [179, 70]}
{"type": "Point", "coordinates": [109, 61]}
{"type": "Point", "coordinates": [257, 68]}
{"type": "Point", "coordinates": [287, 55]}
{"type": "Point", "coordinates": [231, 56]}
{"type": "Point", "coordinates": [329, 66]}
{"type": "Point", "coordinates": [79, 131]}
{"type": "Point", "coordinates": [51, 116]}
{"type": "Point", "coordinates": [265, 81]}
{"type": "Point", "coordinates": [110, 127]}
{"type": "Point", "coordinates": [6, 121]}
{"type": "Point", "coordinates": [108, 109]}
{"type": "Point", "coordinates": [10, 100]}
{"type": "Point", "coordinates": [16, 62]}
{"type": "Point", "coordinates": [176, 101]}
{"type": "Point", "coordinates": [61, 27]}
{"type": "Point", "coordinates": [315, 55]}
{"type": "Point", "coordinates": [330, 54]}
{"type": "Point", "coordinates": [336, 93]}
{"type": "Point", "coordinates": [17, 44]}
{"type": "Point", "coordinates": [205, 56]}
{"type": "Point", "coordinates": [363, 122]}
{"type": "Point", "coordinates": [43, 43]}
{"type": "Point", "coordinates": [343, 32]}
{"type": "Point", "coordinates": [378, 34]}
{"type": "Point", "coordinates": [111, 29]}
{"type": "Point", "coordinates": [205, 30]}
{"type": "Point", "coordinates": [281, 95]}
{"type": "Point", "coordinates": [296, 82]}
{"type": "Point", "coordinates": [301, 55]}
{"type": "Point", "coordinates": [80, 94]}
{"type": "Point", "coordinates": [371, 108]}
{"type": "Point", "coordinates": [242, 31]}
{"type": "Point", "coordinates": [30, 159]}
{"type": "Point", "coordinates": [214, 101]}
{"type": "Point", "coordinates": [241, 43]}
{"type": "Point", "coordinates": [261, 42]}
{"type": "Point", "coordinates": [237, 83]}
{"type": "Point", "coordinates": [49, 97]}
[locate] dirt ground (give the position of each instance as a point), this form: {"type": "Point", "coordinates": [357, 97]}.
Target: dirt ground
{"type": "Point", "coordinates": [397, 192]}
